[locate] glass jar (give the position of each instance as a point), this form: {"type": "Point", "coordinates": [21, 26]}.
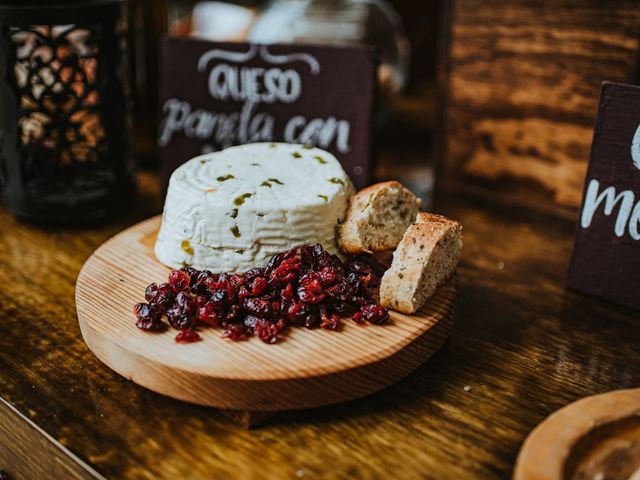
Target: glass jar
{"type": "Point", "coordinates": [340, 22]}
{"type": "Point", "coordinates": [63, 123]}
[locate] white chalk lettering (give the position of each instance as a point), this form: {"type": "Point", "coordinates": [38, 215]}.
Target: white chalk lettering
{"type": "Point", "coordinates": [257, 85]}
{"type": "Point", "coordinates": [225, 129]}
{"type": "Point", "coordinates": [634, 221]}
{"type": "Point", "coordinates": [593, 199]}
{"type": "Point", "coordinates": [230, 81]}
{"type": "Point", "coordinates": [319, 131]}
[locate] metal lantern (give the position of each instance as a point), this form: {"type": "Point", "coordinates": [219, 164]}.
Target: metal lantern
{"type": "Point", "coordinates": [63, 116]}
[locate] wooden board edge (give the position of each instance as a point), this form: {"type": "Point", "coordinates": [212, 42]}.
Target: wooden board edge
{"type": "Point", "coordinates": [412, 356]}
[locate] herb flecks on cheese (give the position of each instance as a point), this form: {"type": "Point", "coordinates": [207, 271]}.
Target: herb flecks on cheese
{"type": "Point", "coordinates": [270, 181]}
{"type": "Point", "coordinates": [336, 180]}
{"type": "Point", "coordinates": [296, 155]}
{"type": "Point", "coordinates": [320, 159]}
{"type": "Point", "coordinates": [234, 213]}
{"type": "Point", "coordinates": [324, 197]}
{"type": "Point", "coordinates": [236, 231]}
{"type": "Point", "coordinates": [240, 199]}
{"type": "Point", "coordinates": [224, 178]}
{"type": "Point", "coordinates": [186, 246]}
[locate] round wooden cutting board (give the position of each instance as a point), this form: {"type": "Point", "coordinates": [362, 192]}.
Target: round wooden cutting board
{"type": "Point", "coordinates": [595, 438]}
{"type": "Point", "coordinates": [308, 368]}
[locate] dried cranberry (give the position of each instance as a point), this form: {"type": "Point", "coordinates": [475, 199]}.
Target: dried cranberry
{"type": "Point", "coordinates": [151, 292]}
{"type": "Point", "coordinates": [243, 292]}
{"type": "Point", "coordinates": [305, 285]}
{"type": "Point", "coordinates": [217, 282]}
{"type": "Point", "coordinates": [255, 272]}
{"type": "Point", "coordinates": [341, 291]}
{"type": "Point", "coordinates": [237, 279]}
{"type": "Point", "coordinates": [149, 318]}
{"type": "Point", "coordinates": [310, 288]}
{"type": "Point", "coordinates": [200, 300]}
{"type": "Point", "coordinates": [236, 332]}
{"type": "Point", "coordinates": [258, 307]}
{"type": "Point", "coordinates": [179, 280]}
{"type": "Point", "coordinates": [199, 284]}
{"type": "Point", "coordinates": [183, 312]}
{"type": "Point", "coordinates": [192, 272]}
{"type": "Point", "coordinates": [287, 292]}
{"type": "Point", "coordinates": [311, 320]}
{"type": "Point", "coordinates": [297, 312]}
{"type": "Point", "coordinates": [187, 336]}
{"type": "Point", "coordinates": [150, 326]}
{"type": "Point", "coordinates": [250, 321]}
{"type": "Point", "coordinates": [258, 285]}
{"type": "Point", "coordinates": [328, 276]}
{"type": "Point", "coordinates": [286, 271]}
{"type": "Point", "coordinates": [209, 314]}
{"type": "Point", "coordinates": [330, 321]}
{"type": "Point", "coordinates": [307, 256]}
{"type": "Point", "coordinates": [360, 301]}
{"type": "Point", "coordinates": [219, 298]}
{"type": "Point", "coordinates": [370, 280]}
{"type": "Point", "coordinates": [146, 312]}
{"type": "Point", "coordinates": [276, 306]}
{"type": "Point", "coordinates": [160, 296]}
{"type": "Point", "coordinates": [374, 313]}
{"type": "Point", "coordinates": [318, 251]}
{"type": "Point", "coordinates": [268, 331]}
{"type": "Point", "coordinates": [233, 314]}
{"type": "Point", "coordinates": [342, 308]}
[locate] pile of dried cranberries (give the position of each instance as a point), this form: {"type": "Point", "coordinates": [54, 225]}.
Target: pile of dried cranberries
{"type": "Point", "coordinates": [305, 286]}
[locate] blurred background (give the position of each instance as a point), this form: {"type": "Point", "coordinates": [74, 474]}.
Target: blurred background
{"type": "Point", "coordinates": [491, 98]}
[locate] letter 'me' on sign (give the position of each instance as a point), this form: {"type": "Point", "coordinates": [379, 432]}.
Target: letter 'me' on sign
{"type": "Point", "coordinates": [216, 95]}
{"type": "Point", "coordinates": [606, 253]}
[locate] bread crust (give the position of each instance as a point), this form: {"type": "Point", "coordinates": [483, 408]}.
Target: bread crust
{"type": "Point", "coordinates": [426, 258]}
{"type": "Point", "coordinates": [350, 233]}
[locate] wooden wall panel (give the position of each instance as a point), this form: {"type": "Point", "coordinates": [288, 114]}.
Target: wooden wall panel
{"type": "Point", "coordinates": [524, 81]}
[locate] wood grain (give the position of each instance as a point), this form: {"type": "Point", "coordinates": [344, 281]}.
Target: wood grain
{"type": "Point", "coordinates": [20, 438]}
{"type": "Point", "coordinates": [309, 368]}
{"type": "Point", "coordinates": [523, 90]}
{"type": "Point", "coordinates": [521, 347]}
{"type": "Point", "coordinates": [595, 437]}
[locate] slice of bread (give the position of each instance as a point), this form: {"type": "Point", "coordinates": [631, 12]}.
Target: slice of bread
{"type": "Point", "coordinates": [426, 258]}
{"type": "Point", "coordinates": [377, 217]}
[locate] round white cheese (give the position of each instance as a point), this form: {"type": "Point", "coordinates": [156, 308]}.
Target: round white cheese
{"type": "Point", "coordinates": [230, 211]}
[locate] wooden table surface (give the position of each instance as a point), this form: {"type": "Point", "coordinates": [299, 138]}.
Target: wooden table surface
{"type": "Point", "coordinates": [522, 347]}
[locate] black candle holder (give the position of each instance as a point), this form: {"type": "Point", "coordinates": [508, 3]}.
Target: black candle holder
{"type": "Point", "coordinates": [64, 117]}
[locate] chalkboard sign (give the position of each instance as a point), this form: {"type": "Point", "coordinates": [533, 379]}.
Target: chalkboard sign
{"type": "Point", "coordinates": [216, 95]}
{"type": "Point", "coordinates": [606, 254]}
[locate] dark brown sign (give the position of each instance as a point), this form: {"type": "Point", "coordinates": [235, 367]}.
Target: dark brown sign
{"type": "Point", "coordinates": [606, 254]}
{"type": "Point", "coordinates": [216, 95]}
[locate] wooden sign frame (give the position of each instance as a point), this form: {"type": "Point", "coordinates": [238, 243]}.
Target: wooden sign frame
{"type": "Point", "coordinates": [606, 254]}
{"type": "Point", "coordinates": [216, 95]}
